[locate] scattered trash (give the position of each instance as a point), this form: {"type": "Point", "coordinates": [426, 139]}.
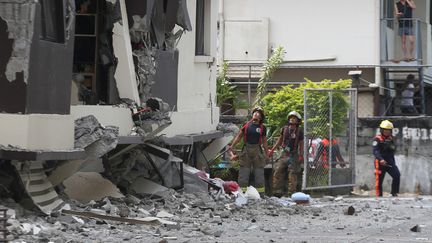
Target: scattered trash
{"type": "Point", "coordinates": [252, 193]}
{"type": "Point", "coordinates": [241, 199]}
{"type": "Point", "coordinates": [300, 198]}
{"type": "Point", "coordinates": [230, 186]}
{"type": "Point", "coordinates": [283, 201]}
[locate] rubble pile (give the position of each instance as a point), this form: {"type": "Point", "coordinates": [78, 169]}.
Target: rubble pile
{"type": "Point", "coordinates": [200, 218]}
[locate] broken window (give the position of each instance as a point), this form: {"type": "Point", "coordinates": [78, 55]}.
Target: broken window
{"type": "Point", "coordinates": [202, 29]}
{"type": "Point", "coordinates": [52, 21]}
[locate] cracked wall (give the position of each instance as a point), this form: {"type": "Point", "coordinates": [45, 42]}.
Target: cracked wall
{"type": "Point", "coordinates": [19, 16]}
{"type": "Point", "coordinates": [16, 33]}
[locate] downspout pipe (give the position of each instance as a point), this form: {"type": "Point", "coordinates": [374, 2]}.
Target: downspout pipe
{"type": "Point", "coordinates": [221, 32]}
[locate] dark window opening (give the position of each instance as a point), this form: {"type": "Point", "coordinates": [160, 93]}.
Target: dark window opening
{"type": "Point", "coordinates": [430, 13]}
{"type": "Point", "coordinates": [52, 21]}
{"type": "Point", "coordinates": [389, 13]}
{"type": "Point", "coordinates": [199, 29]}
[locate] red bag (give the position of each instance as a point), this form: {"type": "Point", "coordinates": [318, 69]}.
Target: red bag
{"type": "Point", "coordinates": [230, 186]}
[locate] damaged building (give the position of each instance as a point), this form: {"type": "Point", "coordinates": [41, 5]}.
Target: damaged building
{"type": "Point", "coordinates": [124, 89]}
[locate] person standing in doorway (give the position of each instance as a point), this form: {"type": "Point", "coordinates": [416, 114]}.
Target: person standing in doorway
{"type": "Point", "coordinates": [384, 150]}
{"type": "Point", "coordinates": [404, 13]}
{"type": "Point", "coordinates": [407, 102]}
{"type": "Point", "coordinates": [253, 156]}
{"type": "Point", "coordinates": [289, 166]}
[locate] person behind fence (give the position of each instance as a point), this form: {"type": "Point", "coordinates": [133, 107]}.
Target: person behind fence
{"type": "Point", "coordinates": [384, 150]}
{"type": "Point", "coordinates": [404, 14]}
{"type": "Point", "coordinates": [407, 103]}
{"type": "Point", "coordinates": [253, 156]}
{"type": "Point", "coordinates": [287, 171]}
{"type": "Point", "coordinates": [321, 158]}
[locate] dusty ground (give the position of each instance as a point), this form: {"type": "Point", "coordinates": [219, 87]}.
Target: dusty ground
{"type": "Point", "coordinates": [201, 219]}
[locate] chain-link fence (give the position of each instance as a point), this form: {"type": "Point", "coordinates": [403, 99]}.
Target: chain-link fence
{"type": "Point", "coordinates": [330, 138]}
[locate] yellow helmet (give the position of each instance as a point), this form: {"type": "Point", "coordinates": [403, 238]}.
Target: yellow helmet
{"type": "Point", "coordinates": [386, 124]}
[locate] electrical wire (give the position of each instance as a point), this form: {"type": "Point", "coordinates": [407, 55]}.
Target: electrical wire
{"type": "Point", "coordinates": [382, 87]}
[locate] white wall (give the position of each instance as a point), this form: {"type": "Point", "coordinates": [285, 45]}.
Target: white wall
{"type": "Point", "coordinates": [107, 116]}
{"type": "Point", "coordinates": [347, 30]}
{"type": "Point", "coordinates": [196, 105]}
{"type": "Point", "coordinates": [37, 131]}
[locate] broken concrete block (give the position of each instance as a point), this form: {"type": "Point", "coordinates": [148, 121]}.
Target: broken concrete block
{"type": "Point", "coordinates": [416, 228]}
{"type": "Point", "coordinates": [164, 214]}
{"type": "Point", "coordinates": [77, 187]}
{"type": "Point", "coordinates": [349, 211]}
{"type": "Point", "coordinates": [145, 186]}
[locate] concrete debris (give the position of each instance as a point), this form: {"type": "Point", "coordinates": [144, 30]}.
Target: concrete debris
{"type": "Point", "coordinates": [228, 128]}
{"type": "Point", "coordinates": [192, 182]}
{"type": "Point", "coordinates": [349, 211]}
{"type": "Point", "coordinates": [152, 118]}
{"type": "Point", "coordinates": [77, 187]}
{"type": "Point", "coordinates": [146, 70]}
{"type": "Point", "coordinates": [209, 220]}
{"type": "Point", "coordinates": [145, 186]}
{"type": "Point", "coordinates": [145, 161]}
{"type": "Point", "coordinates": [164, 214]}
{"type": "Point", "coordinates": [93, 137]}
{"type": "Point", "coordinates": [416, 228]}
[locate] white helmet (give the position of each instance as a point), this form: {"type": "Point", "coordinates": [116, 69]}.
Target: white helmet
{"type": "Point", "coordinates": [294, 113]}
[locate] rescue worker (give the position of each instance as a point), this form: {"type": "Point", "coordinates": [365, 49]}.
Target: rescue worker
{"type": "Point", "coordinates": [383, 150]}
{"type": "Point", "coordinates": [287, 170]}
{"type": "Point", "coordinates": [253, 157]}
{"type": "Point", "coordinates": [322, 158]}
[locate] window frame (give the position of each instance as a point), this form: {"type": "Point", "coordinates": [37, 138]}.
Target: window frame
{"type": "Point", "coordinates": [56, 32]}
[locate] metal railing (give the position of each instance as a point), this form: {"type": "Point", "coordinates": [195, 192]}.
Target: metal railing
{"type": "Point", "coordinates": [393, 29]}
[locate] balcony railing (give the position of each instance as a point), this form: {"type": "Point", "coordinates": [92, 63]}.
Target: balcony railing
{"type": "Point", "coordinates": [392, 51]}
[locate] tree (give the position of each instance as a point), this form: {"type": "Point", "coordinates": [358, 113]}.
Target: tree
{"type": "Point", "coordinates": [288, 98]}
{"type": "Point", "coordinates": [227, 94]}
{"type": "Point", "coordinates": [269, 68]}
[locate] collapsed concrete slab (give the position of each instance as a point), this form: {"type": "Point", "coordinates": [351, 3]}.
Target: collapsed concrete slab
{"type": "Point", "coordinates": [91, 136]}
{"type": "Point", "coordinates": [87, 186]}
{"type": "Point", "coordinates": [144, 161]}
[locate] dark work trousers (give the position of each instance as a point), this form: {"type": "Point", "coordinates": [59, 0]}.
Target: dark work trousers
{"type": "Point", "coordinates": [380, 172]}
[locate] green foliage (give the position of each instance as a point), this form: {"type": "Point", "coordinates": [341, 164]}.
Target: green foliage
{"type": "Point", "coordinates": [227, 94]}
{"type": "Point", "coordinates": [269, 68]}
{"type": "Point", "coordinates": [288, 98]}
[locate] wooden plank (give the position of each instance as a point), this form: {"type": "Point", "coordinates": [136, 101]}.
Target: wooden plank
{"type": "Point", "coordinates": [109, 217]}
